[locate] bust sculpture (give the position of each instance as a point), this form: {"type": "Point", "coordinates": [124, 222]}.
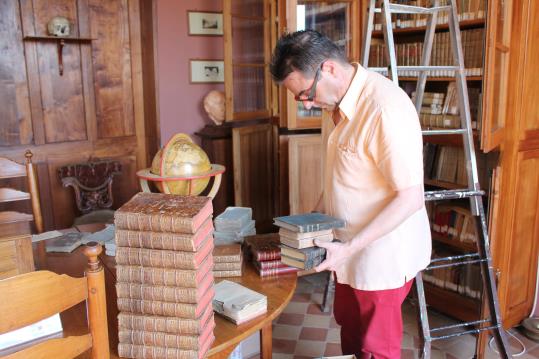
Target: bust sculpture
{"type": "Point", "coordinates": [214, 105]}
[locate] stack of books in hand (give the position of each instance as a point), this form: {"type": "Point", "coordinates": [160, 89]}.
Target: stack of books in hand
{"type": "Point", "coordinates": [298, 234]}
{"type": "Point", "coordinates": [164, 276]}
{"type": "Point", "coordinates": [227, 260]}
{"type": "Point", "coordinates": [265, 253]}
{"type": "Point", "coordinates": [234, 224]}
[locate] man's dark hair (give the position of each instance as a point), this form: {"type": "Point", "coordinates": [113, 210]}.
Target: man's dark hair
{"type": "Point", "coordinates": [303, 51]}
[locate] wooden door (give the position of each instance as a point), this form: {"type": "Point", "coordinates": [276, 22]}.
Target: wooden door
{"type": "Point", "coordinates": [254, 175]}
{"type": "Point", "coordinates": [99, 107]}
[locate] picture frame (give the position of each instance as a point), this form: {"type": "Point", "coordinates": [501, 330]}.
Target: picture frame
{"type": "Point", "coordinates": [206, 71]}
{"type": "Point", "coordinates": [205, 23]}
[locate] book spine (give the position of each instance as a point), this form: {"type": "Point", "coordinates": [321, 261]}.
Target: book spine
{"type": "Point", "coordinates": [181, 310]}
{"type": "Point", "coordinates": [276, 271]}
{"type": "Point", "coordinates": [226, 273]}
{"type": "Point", "coordinates": [158, 293]}
{"type": "Point", "coordinates": [270, 264]}
{"type": "Point", "coordinates": [155, 240]}
{"type": "Point", "coordinates": [143, 351]}
{"type": "Point", "coordinates": [153, 223]}
{"type": "Point", "coordinates": [227, 266]}
{"type": "Point", "coordinates": [156, 276]}
{"type": "Point", "coordinates": [312, 262]}
{"type": "Point", "coordinates": [156, 258]}
{"type": "Point", "coordinates": [233, 258]}
{"type": "Point", "coordinates": [316, 252]}
{"type": "Point", "coordinates": [267, 255]}
{"type": "Point", "coordinates": [172, 325]}
{"type": "Point", "coordinates": [159, 339]}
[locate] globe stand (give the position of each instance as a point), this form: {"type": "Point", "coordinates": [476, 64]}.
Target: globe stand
{"type": "Point", "coordinates": [216, 171]}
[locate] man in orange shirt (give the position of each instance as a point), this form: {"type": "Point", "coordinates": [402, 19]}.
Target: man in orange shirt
{"type": "Point", "coordinates": [373, 180]}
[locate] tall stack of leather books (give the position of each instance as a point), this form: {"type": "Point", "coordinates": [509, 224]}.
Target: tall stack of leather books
{"type": "Point", "coordinates": [164, 276]}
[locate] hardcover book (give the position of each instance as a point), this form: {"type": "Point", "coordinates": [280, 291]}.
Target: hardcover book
{"type": "Point", "coordinates": [161, 339]}
{"type": "Point", "coordinates": [173, 325]}
{"type": "Point", "coordinates": [164, 258]}
{"type": "Point", "coordinates": [304, 254]}
{"type": "Point", "coordinates": [238, 303]}
{"type": "Point", "coordinates": [306, 265]}
{"type": "Point", "coordinates": [172, 294]}
{"type": "Point", "coordinates": [165, 240]}
{"type": "Point", "coordinates": [308, 222]}
{"type": "Point", "coordinates": [263, 247]}
{"type": "Point", "coordinates": [282, 269]}
{"type": "Point", "coordinates": [66, 243]}
{"type": "Point", "coordinates": [306, 242]}
{"type": "Point", "coordinates": [159, 212]}
{"type": "Point", "coordinates": [226, 266]}
{"type": "Point", "coordinates": [168, 309]}
{"type": "Point", "coordinates": [164, 276]}
{"type": "Point", "coordinates": [283, 232]}
{"type": "Point", "coordinates": [233, 219]}
{"type": "Point", "coordinates": [276, 263]}
{"type": "Point", "coordinates": [146, 351]}
{"type": "Point", "coordinates": [227, 253]}
{"type": "Point", "coordinates": [227, 273]}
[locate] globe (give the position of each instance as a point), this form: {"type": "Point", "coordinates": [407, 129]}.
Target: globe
{"type": "Point", "coordinates": [181, 157]}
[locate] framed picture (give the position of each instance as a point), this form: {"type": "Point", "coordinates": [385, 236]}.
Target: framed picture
{"type": "Point", "coordinates": [205, 23]}
{"type": "Point", "coordinates": [207, 71]}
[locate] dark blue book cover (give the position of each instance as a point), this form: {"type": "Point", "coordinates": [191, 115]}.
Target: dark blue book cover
{"type": "Point", "coordinates": [308, 222]}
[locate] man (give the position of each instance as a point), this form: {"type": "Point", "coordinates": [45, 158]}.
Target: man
{"type": "Point", "coordinates": [373, 180]}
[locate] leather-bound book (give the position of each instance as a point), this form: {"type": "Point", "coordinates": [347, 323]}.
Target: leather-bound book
{"type": "Point", "coordinates": [161, 339]}
{"type": "Point", "coordinates": [264, 247]}
{"type": "Point", "coordinates": [159, 212]}
{"type": "Point", "coordinates": [164, 240]}
{"type": "Point", "coordinates": [164, 276]}
{"type": "Point", "coordinates": [227, 253]}
{"type": "Point", "coordinates": [227, 273]}
{"type": "Point", "coordinates": [161, 293]}
{"type": "Point", "coordinates": [164, 258]}
{"type": "Point", "coordinates": [146, 351]}
{"type": "Point", "coordinates": [172, 325]}
{"type": "Point", "coordinates": [168, 309]}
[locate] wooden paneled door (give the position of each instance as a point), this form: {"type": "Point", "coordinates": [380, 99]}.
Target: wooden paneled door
{"type": "Point", "coordinates": [101, 106]}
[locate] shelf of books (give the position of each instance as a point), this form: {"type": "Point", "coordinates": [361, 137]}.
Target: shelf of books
{"type": "Point", "coordinates": [445, 167]}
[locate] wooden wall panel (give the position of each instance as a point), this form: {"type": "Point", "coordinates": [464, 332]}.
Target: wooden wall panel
{"type": "Point", "coordinates": [525, 230]}
{"type": "Point", "coordinates": [109, 22]}
{"type": "Point", "coordinates": [305, 172]}
{"type": "Point", "coordinates": [531, 87]}
{"type": "Point", "coordinates": [61, 96]}
{"type": "Point", "coordinates": [15, 110]}
{"type": "Point", "coordinates": [253, 172]}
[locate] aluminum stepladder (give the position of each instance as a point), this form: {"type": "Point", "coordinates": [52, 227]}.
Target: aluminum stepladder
{"type": "Point", "coordinates": [472, 192]}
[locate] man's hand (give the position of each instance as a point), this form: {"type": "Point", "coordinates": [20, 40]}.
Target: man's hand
{"type": "Point", "coordinates": [337, 254]}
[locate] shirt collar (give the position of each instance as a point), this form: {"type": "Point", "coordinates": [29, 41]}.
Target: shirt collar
{"type": "Point", "coordinates": [348, 104]}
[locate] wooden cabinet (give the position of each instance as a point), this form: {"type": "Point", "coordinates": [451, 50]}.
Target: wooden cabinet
{"type": "Point", "coordinates": [102, 106]}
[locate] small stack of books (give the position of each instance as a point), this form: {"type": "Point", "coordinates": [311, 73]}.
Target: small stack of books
{"type": "Point", "coordinates": [298, 233]}
{"type": "Point", "coordinates": [234, 224]}
{"type": "Point", "coordinates": [238, 303]}
{"type": "Point", "coordinates": [227, 260]}
{"type": "Point", "coordinates": [164, 276]}
{"type": "Point", "coordinates": [265, 253]}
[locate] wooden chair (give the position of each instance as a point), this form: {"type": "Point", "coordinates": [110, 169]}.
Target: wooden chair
{"type": "Point", "coordinates": [15, 231]}
{"type": "Point", "coordinates": [28, 298]}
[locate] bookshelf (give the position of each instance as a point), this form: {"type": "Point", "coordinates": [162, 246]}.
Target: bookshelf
{"type": "Point", "coordinates": [445, 167]}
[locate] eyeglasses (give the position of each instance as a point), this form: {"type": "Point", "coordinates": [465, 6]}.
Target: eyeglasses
{"type": "Point", "coordinates": [312, 92]}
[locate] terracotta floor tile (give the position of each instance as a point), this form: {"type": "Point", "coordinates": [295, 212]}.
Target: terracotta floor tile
{"type": "Point", "coordinates": [310, 348]}
{"type": "Point", "coordinates": [332, 349]}
{"type": "Point", "coordinates": [334, 336]}
{"type": "Point", "coordinates": [301, 297]}
{"type": "Point", "coordinates": [286, 331]}
{"type": "Point", "coordinates": [291, 319]}
{"type": "Point", "coordinates": [296, 307]}
{"type": "Point", "coordinates": [302, 357]}
{"type": "Point", "coordinates": [283, 346]}
{"type": "Point", "coordinates": [317, 321]}
{"type": "Point", "coordinates": [318, 334]}
{"type": "Point", "coordinates": [333, 323]}
{"type": "Point", "coordinates": [315, 309]}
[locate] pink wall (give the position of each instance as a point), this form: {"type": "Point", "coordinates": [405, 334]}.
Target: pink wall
{"type": "Point", "coordinates": [180, 103]}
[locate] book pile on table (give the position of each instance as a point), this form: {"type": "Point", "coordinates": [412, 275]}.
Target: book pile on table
{"type": "Point", "coordinates": [234, 224]}
{"type": "Point", "coordinates": [227, 260]}
{"type": "Point", "coordinates": [164, 276]}
{"type": "Point", "coordinates": [237, 303]}
{"type": "Point", "coordinates": [265, 253]}
{"type": "Point", "coordinates": [298, 234]}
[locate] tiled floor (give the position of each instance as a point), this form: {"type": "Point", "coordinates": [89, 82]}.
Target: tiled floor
{"type": "Point", "coordinates": [303, 331]}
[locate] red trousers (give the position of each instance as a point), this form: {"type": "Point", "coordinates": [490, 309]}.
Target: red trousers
{"type": "Point", "coordinates": [371, 321]}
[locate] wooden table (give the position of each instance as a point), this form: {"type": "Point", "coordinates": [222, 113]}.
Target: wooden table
{"type": "Point", "coordinates": [279, 291]}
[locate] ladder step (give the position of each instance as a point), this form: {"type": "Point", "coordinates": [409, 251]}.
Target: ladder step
{"type": "Point", "coordinates": [409, 9]}
{"type": "Point", "coordinates": [417, 68]}
{"type": "Point", "coordinates": [457, 131]}
{"type": "Point", "coordinates": [452, 194]}
{"type": "Point", "coordinates": [454, 264]}
{"type": "Point", "coordinates": [472, 331]}
{"type": "Point", "coordinates": [460, 325]}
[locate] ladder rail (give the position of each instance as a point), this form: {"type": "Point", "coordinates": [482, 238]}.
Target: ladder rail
{"type": "Point", "coordinates": [368, 34]}
{"type": "Point", "coordinates": [390, 44]}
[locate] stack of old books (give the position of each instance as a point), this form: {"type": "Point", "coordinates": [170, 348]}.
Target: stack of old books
{"type": "Point", "coordinates": [265, 253]}
{"type": "Point", "coordinates": [227, 260]}
{"type": "Point", "coordinates": [234, 224]}
{"type": "Point", "coordinates": [164, 276]}
{"type": "Point", "coordinates": [298, 234]}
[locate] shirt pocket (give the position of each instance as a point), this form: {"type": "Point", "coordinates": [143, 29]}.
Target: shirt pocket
{"type": "Point", "coordinates": [353, 168]}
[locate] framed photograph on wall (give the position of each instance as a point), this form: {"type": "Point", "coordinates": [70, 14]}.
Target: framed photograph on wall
{"type": "Point", "coordinates": [205, 23]}
{"type": "Point", "coordinates": [207, 71]}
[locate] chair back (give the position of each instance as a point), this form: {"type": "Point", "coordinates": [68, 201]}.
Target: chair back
{"type": "Point", "coordinates": [28, 298]}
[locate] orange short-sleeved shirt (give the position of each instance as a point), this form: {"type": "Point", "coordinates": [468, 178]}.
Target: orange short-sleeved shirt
{"type": "Point", "coordinates": [375, 150]}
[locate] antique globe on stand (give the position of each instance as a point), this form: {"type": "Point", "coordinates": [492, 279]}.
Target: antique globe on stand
{"type": "Point", "coordinates": [183, 168]}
